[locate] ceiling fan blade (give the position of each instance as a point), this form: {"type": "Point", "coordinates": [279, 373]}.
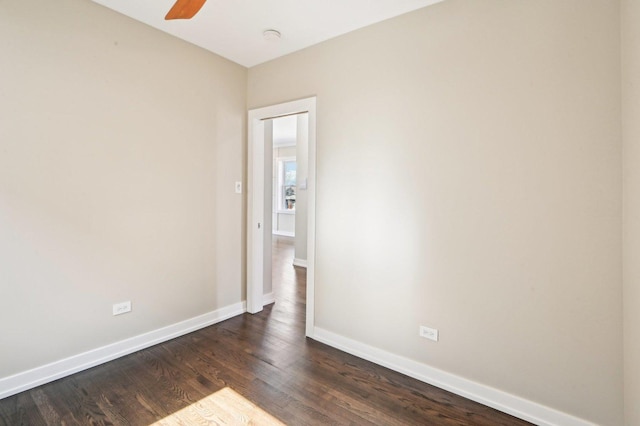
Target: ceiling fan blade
{"type": "Point", "coordinates": [184, 9]}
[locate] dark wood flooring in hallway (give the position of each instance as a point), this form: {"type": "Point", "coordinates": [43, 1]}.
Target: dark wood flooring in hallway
{"type": "Point", "coordinates": [251, 369]}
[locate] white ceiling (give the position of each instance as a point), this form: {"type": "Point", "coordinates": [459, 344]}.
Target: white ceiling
{"type": "Point", "coordinates": [233, 28]}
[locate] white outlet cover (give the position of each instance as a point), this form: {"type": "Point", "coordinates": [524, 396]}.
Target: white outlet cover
{"type": "Point", "coordinates": [428, 333]}
{"type": "Point", "coordinates": [122, 308]}
{"type": "Point", "coordinates": [238, 188]}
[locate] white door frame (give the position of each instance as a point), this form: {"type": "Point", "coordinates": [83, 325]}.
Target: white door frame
{"type": "Point", "coordinates": [255, 202]}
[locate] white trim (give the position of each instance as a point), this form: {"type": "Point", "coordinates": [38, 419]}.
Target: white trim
{"type": "Point", "coordinates": [255, 213]}
{"type": "Point", "coordinates": [255, 200]}
{"type": "Point", "coordinates": [511, 404]}
{"type": "Point", "coordinates": [29, 379]}
{"type": "Point", "coordinates": [300, 262]}
{"type": "Point", "coordinates": [311, 219]}
{"type": "Point", "coordinates": [268, 299]}
{"type": "Point", "coordinates": [283, 233]}
{"type": "Point", "coordinates": [278, 143]}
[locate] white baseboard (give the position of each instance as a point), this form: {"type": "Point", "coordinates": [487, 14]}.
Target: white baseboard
{"type": "Point", "coordinates": [47, 373]}
{"type": "Point", "coordinates": [283, 233]}
{"type": "Point", "coordinates": [300, 262]}
{"type": "Point", "coordinates": [268, 299]}
{"type": "Point", "coordinates": [519, 407]}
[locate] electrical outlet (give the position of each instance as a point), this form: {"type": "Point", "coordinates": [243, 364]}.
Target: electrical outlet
{"type": "Point", "coordinates": [429, 333]}
{"type": "Point", "coordinates": [122, 308]}
{"type": "Point", "coordinates": [238, 187]}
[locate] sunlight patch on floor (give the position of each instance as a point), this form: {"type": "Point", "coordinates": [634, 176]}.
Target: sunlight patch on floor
{"type": "Point", "coordinates": [225, 407]}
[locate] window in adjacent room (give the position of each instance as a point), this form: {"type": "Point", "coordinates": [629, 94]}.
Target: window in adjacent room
{"type": "Point", "coordinates": [287, 184]}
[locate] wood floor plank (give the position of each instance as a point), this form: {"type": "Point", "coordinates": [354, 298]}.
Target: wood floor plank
{"type": "Point", "coordinates": [20, 410]}
{"type": "Point", "coordinates": [47, 410]}
{"type": "Point", "coordinates": [251, 369]}
{"type": "Point", "coordinates": [115, 397]}
{"type": "Point", "coordinates": [267, 386]}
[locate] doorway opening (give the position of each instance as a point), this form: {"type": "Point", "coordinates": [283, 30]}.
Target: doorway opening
{"type": "Point", "coordinates": [268, 206]}
{"type": "Point", "coordinates": [289, 142]}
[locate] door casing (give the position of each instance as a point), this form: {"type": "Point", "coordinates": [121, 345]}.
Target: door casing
{"type": "Point", "coordinates": [256, 212]}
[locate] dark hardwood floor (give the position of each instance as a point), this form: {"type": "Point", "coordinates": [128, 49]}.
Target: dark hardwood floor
{"type": "Point", "coordinates": [251, 369]}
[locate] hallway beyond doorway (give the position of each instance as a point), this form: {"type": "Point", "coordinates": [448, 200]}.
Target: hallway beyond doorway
{"type": "Point", "coordinates": [289, 282]}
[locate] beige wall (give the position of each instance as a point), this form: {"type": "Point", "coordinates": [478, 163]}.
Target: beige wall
{"type": "Point", "coordinates": [117, 185]}
{"type": "Point", "coordinates": [119, 148]}
{"type": "Point", "coordinates": [488, 133]}
{"type": "Point", "coordinates": [631, 194]}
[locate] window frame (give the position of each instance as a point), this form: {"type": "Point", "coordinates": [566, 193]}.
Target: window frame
{"type": "Point", "coordinates": [280, 185]}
